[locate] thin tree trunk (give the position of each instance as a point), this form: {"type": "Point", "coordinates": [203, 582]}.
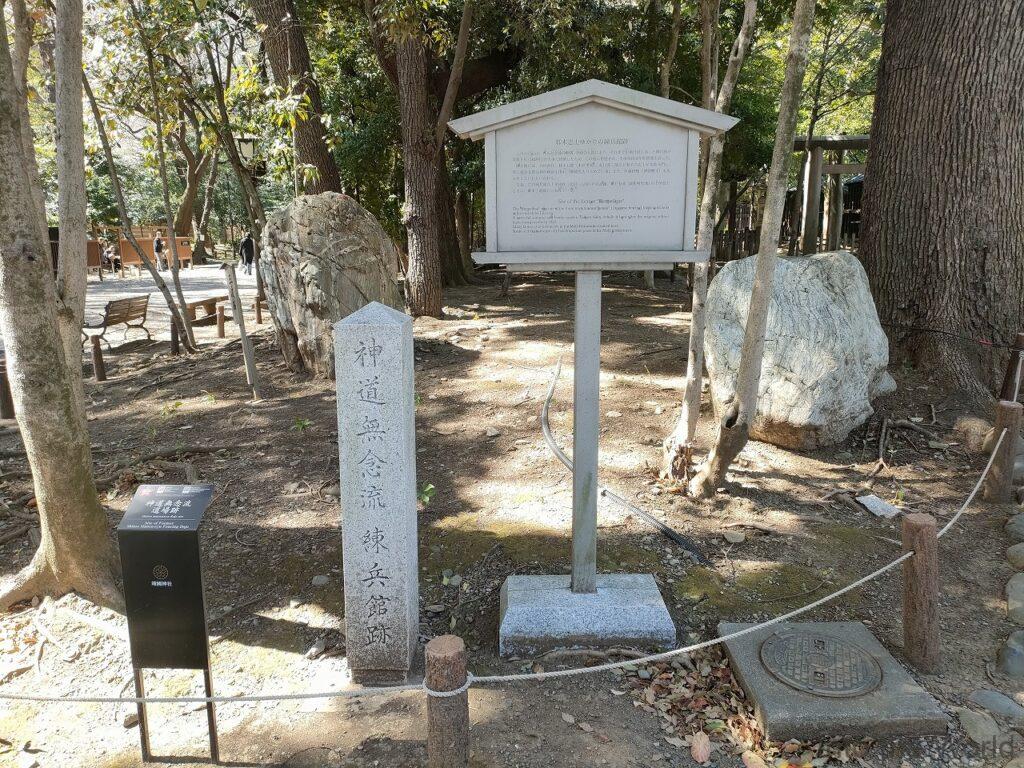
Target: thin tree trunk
{"type": "Point", "coordinates": [161, 155]}
{"type": "Point", "coordinates": [943, 233]}
{"type": "Point", "coordinates": [419, 122]}
{"type": "Point", "coordinates": [23, 25]}
{"type": "Point", "coordinates": [75, 550]}
{"type": "Point", "coordinates": [740, 410]}
{"type": "Point", "coordinates": [71, 197]}
{"type": "Point", "coordinates": [678, 445]}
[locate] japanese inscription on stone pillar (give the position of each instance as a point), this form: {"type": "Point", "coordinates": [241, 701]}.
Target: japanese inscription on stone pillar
{"type": "Point", "coordinates": [377, 459]}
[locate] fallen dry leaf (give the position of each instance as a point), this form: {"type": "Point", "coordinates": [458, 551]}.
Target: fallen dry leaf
{"type": "Point", "coordinates": [751, 760]}
{"type": "Point", "coordinates": [700, 747]}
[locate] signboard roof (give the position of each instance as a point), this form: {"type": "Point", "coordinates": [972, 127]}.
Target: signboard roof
{"type": "Point", "coordinates": [704, 121]}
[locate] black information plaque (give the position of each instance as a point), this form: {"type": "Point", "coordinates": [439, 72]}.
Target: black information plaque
{"type": "Point", "coordinates": [163, 587]}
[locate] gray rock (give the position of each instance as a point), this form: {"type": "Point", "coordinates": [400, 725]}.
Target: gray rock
{"type": "Point", "coordinates": [324, 256]}
{"type": "Point", "coordinates": [130, 720]}
{"type": "Point", "coordinates": [999, 704]}
{"type": "Point", "coordinates": [1015, 528]}
{"type": "Point", "coordinates": [980, 727]}
{"type": "Point", "coordinates": [825, 356]}
{"type": "Point", "coordinates": [734, 537]}
{"type": "Point", "coordinates": [1015, 555]}
{"type": "Point", "coordinates": [1011, 655]}
{"type": "Point", "coordinates": [320, 581]}
{"type": "Point", "coordinates": [1015, 598]}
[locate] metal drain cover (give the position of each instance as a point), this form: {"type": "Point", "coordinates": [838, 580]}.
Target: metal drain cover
{"type": "Point", "coordinates": [820, 664]}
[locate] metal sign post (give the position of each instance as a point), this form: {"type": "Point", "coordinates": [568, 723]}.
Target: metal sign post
{"type": "Point", "coordinates": [163, 590]}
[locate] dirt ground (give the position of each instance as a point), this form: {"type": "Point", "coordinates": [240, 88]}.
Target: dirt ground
{"type": "Point", "coordinates": [502, 505]}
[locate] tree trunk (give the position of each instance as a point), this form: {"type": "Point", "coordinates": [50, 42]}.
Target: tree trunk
{"type": "Point", "coordinates": [943, 232]}
{"type": "Point", "coordinates": [734, 427]}
{"type": "Point", "coordinates": [285, 42]}
{"type": "Point", "coordinates": [419, 152]}
{"type": "Point", "coordinates": [201, 225]}
{"type": "Point", "coordinates": [452, 266]}
{"type": "Point", "coordinates": [75, 551]}
{"type": "Point", "coordinates": [71, 197]}
{"type": "Point", "coordinates": [678, 445]}
{"type": "Point", "coordinates": [23, 25]}
{"type": "Point", "coordinates": [194, 173]}
{"type": "Point", "coordinates": [464, 230]}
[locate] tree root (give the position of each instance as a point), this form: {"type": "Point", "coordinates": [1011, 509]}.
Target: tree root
{"type": "Point", "coordinates": [37, 579]}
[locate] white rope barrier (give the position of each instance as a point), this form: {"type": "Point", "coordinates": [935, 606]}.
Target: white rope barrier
{"type": "Point", "coordinates": [472, 679]}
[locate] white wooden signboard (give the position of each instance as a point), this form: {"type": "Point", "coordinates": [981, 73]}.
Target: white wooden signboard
{"type": "Point", "coordinates": [591, 174]}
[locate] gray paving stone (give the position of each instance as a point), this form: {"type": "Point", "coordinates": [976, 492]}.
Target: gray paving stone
{"type": "Point", "coordinates": [897, 707]}
{"type": "Point", "coordinates": [1011, 655]}
{"type": "Point", "coordinates": [998, 704]}
{"type": "Point", "coordinates": [1015, 528]}
{"type": "Point", "coordinates": [1015, 555]}
{"type": "Point", "coordinates": [1015, 598]}
{"type": "Point", "coordinates": [539, 613]}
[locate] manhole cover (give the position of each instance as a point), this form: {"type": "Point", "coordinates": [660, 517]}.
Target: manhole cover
{"type": "Point", "coordinates": [820, 664]}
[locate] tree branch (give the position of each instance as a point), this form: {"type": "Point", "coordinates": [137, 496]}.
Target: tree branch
{"type": "Point", "coordinates": [451, 93]}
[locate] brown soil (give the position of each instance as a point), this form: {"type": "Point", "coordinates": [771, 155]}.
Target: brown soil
{"type": "Point", "coordinates": [501, 505]}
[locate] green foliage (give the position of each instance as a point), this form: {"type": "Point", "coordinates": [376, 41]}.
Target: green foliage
{"type": "Point", "coordinates": [301, 425]}
{"type": "Point", "coordinates": [529, 46]}
{"type": "Point", "coordinates": [426, 493]}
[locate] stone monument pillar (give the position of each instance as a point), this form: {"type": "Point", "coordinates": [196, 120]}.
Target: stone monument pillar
{"type": "Point", "coordinates": [377, 460]}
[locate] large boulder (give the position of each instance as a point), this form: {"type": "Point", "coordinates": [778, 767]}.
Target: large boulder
{"type": "Point", "coordinates": [324, 256]}
{"type": "Point", "coordinates": [825, 354]}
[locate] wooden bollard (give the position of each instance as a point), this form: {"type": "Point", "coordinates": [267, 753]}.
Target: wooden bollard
{"type": "Point", "coordinates": [99, 370]}
{"type": "Point", "coordinates": [259, 311]}
{"type": "Point", "coordinates": [175, 344]}
{"type": "Point", "coordinates": [921, 592]}
{"type": "Point", "coordinates": [447, 718]}
{"type": "Point", "coordinates": [998, 484]}
{"type": "Point", "coordinates": [220, 321]}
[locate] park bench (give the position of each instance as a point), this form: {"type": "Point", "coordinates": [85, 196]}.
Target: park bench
{"type": "Point", "coordinates": [121, 312]}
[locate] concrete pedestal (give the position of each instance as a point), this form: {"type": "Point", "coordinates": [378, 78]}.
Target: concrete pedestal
{"type": "Point", "coordinates": [540, 613]}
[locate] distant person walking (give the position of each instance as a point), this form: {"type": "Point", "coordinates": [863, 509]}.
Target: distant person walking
{"type": "Point", "coordinates": [158, 250]}
{"type": "Point", "coordinates": [247, 252]}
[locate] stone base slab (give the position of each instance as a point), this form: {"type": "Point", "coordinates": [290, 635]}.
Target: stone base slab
{"type": "Point", "coordinates": [897, 707]}
{"type": "Point", "coordinates": [541, 613]}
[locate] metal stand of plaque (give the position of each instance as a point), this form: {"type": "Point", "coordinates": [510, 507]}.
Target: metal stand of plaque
{"type": "Point", "coordinates": [589, 178]}
{"type": "Point", "coordinates": [163, 590]}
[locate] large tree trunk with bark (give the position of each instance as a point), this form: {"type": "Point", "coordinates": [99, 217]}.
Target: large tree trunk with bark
{"type": "Point", "coordinates": [943, 237]}
{"type": "Point", "coordinates": [75, 551]}
{"type": "Point", "coordinates": [285, 42]}
{"type": "Point", "coordinates": [419, 152]}
{"type": "Point", "coordinates": [71, 198]}
{"type": "Point", "coordinates": [737, 416]}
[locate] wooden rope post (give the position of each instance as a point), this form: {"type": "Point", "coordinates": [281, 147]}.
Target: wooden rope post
{"type": "Point", "coordinates": [998, 485]}
{"type": "Point", "coordinates": [99, 370]}
{"type": "Point", "coordinates": [921, 592]}
{"type": "Point", "coordinates": [447, 718]}
{"type": "Point", "coordinates": [236, 310]}
{"type": "Point", "coordinates": [259, 311]}
{"type": "Point", "coordinates": [1010, 389]}
{"type": "Point", "coordinates": [220, 321]}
